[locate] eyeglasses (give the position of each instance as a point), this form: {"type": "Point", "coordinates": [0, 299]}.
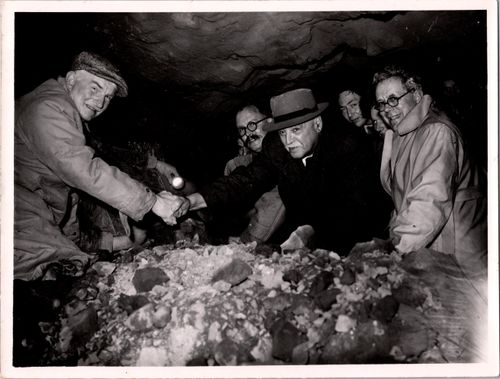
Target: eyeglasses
{"type": "Point", "coordinates": [251, 127]}
{"type": "Point", "coordinates": [393, 101]}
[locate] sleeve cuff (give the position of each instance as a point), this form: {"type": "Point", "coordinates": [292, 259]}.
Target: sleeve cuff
{"type": "Point", "coordinates": [106, 241]}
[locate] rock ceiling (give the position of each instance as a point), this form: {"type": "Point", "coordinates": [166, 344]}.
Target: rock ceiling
{"type": "Point", "coordinates": [210, 59]}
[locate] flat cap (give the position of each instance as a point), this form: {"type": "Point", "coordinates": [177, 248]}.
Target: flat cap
{"type": "Point", "coordinates": [101, 67]}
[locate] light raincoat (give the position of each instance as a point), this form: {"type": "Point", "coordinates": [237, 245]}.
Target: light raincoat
{"type": "Point", "coordinates": [435, 189]}
{"type": "Point", "coordinates": [51, 159]}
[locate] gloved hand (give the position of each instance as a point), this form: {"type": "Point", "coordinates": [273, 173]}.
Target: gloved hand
{"type": "Point", "coordinates": [166, 205]}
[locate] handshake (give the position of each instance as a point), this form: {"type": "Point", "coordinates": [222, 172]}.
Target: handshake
{"type": "Point", "coordinates": [170, 207]}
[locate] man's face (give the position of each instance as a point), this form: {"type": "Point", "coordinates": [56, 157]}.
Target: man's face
{"type": "Point", "coordinates": [251, 139]}
{"type": "Point", "coordinates": [90, 93]}
{"type": "Point", "coordinates": [349, 106]}
{"type": "Point", "coordinates": [394, 87]}
{"type": "Point", "coordinates": [300, 140]}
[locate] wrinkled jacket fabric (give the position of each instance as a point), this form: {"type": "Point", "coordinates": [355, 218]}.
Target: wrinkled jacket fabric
{"type": "Point", "coordinates": [435, 188]}
{"type": "Point", "coordinates": [268, 213]}
{"type": "Point", "coordinates": [337, 192]}
{"type": "Point", "coordinates": [51, 159]}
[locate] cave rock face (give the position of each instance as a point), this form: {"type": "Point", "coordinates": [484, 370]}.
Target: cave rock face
{"type": "Point", "coordinates": [206, 59]}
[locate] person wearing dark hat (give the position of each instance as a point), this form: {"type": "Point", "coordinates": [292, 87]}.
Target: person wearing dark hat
{"type": "Point", "coordinates": [52, 160]}
{"type": "Point", "coordinates": [325, 177]}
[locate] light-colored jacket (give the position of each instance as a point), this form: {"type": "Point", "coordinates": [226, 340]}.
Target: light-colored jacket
{"type": "Point", "coordinates": [51, 159]}
{"type": "Point", "coordinates": [435, 188]}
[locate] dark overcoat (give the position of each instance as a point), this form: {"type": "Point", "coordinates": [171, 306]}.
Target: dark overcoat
{"type": "Point", "coordinates": [337, 191]}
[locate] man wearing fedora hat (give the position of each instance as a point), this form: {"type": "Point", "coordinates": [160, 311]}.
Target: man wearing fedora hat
{"type": "Point", "coordinates": [327, 178]}
{"type": "Point", "coordinates": [52, 160]}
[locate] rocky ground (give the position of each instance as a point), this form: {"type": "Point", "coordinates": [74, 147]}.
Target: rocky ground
{"type": "Point", "coordinates": [192, 304]}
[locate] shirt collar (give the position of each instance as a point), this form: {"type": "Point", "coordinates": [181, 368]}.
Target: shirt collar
{"type": "Point", "coordinates": [305, 159]}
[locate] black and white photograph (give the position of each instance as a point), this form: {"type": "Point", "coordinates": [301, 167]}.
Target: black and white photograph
{"type": "Point", "coordinates": [249, 189]}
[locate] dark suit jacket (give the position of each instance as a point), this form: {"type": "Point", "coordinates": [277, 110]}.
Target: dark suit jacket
{"type": "Point", "coordinates": [338, 192]}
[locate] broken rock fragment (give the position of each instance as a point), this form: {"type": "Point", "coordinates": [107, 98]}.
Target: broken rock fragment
{"type": "Point", "coordinates": [292, 276]}
{"type": "Point", "coordinates": [161, 316]}
{"type": "Point", "coordinates": [146, 278]}
{"type": "Point", "coordinates": [104, 268]}
{"type": "Point", "coordinates": [79, 328]}
{"type": "Point", "coordinates": [131, 303]}
{"type": "Point", "coordinates": [321, 282]}
{"type": "Point", "coordinates": [385, 309]}
{"type": "Point", "coordinates": [368, 342]}
{"type": "Point", "coordinates": [325, 299]}
{"type": "Point", "coordinates": [348, 277]}
{"type": "Point", "coordinates": [235, 272]}
{"type": "Point", "coordinates": [409, 295]}
{"type": "Point", "coordinates": [230, 353]}
{"type": "Point", "coordinates": [285, 338]}
{"type": "Point", "coordinates": [142, 319]}
{"type": "Point", "coordinates": [300, 354]}
{"type": "Point", "coordinates": [152, 356]}
{"type": "Point", "coordinates": [413, 342]}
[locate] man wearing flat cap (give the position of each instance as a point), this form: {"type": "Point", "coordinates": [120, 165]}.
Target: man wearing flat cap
{"type": "Point", "coordinates": [52, 160]}
{"type": "Point", "coordinates": [326, 177]}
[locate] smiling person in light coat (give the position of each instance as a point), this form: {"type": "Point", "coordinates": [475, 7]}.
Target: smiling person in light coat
{"type": "Point", "coordinates": [52, 160]}
{"type": "Point", "coordinates": [433, 183]}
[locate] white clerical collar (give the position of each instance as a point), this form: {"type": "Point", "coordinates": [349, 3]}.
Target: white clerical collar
{"type": "Point", "coordinates": [305, 158]}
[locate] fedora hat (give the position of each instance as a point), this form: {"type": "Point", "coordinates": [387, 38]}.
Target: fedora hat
{"type": "Point", "coordinates": [293, 108]}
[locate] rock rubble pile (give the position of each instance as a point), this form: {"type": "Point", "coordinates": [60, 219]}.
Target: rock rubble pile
{"type": "Point", "coordinates": [188, 304]}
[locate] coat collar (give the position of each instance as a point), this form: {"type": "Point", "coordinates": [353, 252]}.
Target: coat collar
{"type": "Point", "coordinates": [415, 117]}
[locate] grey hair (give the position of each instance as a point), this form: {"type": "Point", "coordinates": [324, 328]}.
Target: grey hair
{"type": "Point", "coordinates": [410, 80]}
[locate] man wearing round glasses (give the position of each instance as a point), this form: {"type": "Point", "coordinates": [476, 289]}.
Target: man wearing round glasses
{"type": "Point", "coordinates": [425, 168]}
{"type": "Point", "coordinates": [249, 122]}
{"type": "Point", "coordinates": [268, 212]}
